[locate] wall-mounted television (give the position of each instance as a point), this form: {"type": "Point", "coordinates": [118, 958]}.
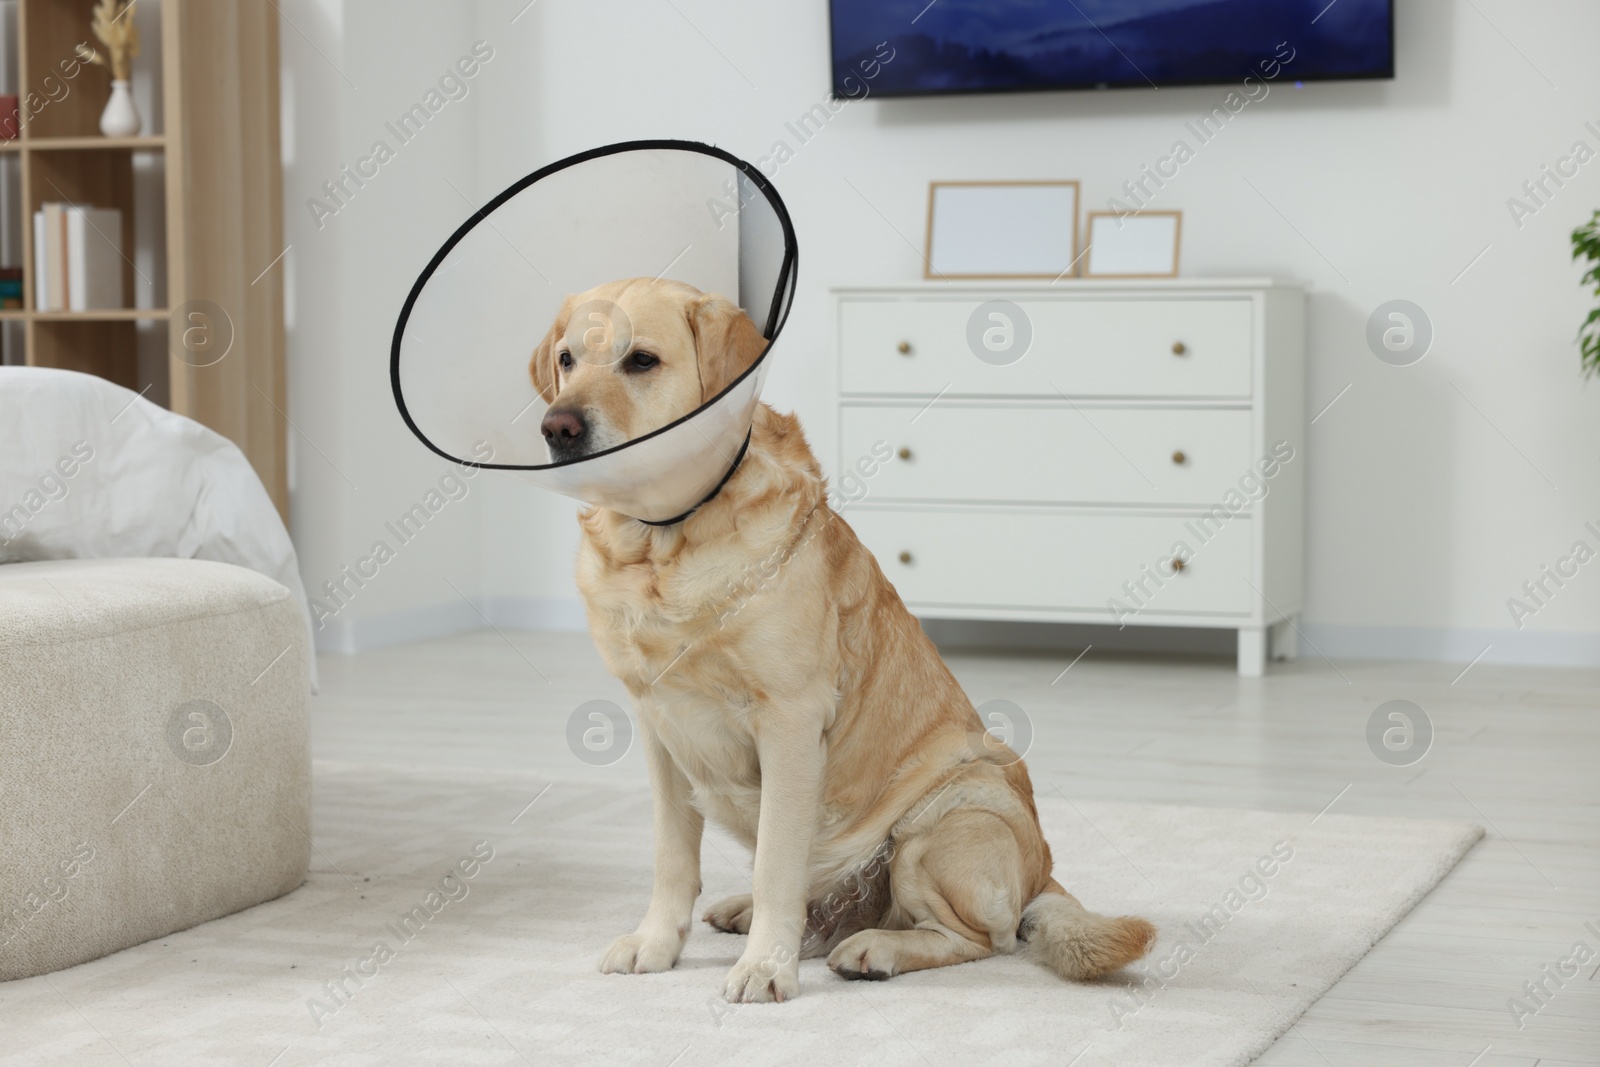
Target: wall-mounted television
{"type": "Point", "coordinates": [917, 48]}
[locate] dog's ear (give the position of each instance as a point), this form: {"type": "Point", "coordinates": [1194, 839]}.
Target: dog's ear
{"type": "Point", "coordinates": [542, 367]}
{"type": "Point", "coordinates": [726, 342]}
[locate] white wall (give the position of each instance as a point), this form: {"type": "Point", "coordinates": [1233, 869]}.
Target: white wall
{"type": "Point", "coordinates": [1436, 490]}
{"type": "Point", "coordinates": [350, 70]}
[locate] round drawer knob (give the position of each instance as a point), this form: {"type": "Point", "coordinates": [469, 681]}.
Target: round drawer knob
{"type": "Point", "coordinates": [1179, 458]}
{"type": "Point", "coordinates": [1179, 348]}
{"type": "Point", "coordinates": [904, 348]}
{"type": "Point", "coordinates": [1177, 565]}
{"type": "Point", "coordinates": [904, 453]}
{"type": "Point", "coordinates": [905, 557]}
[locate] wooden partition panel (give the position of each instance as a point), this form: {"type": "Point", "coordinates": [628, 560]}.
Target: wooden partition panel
{"type": "Point", "coordinates": [228, 159]}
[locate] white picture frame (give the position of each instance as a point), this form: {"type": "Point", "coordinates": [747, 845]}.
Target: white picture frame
{"type": "Point", "coordinates": [1145, 245]}
{"type": "Point", "coordinates": [1002, 229]}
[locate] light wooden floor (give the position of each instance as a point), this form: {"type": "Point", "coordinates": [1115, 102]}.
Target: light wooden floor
{"type": "Point", "coordinates": [1515, 749]}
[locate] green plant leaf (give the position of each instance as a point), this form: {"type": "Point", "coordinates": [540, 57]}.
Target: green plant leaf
{"type": "Point", "coordinates": [1586, 246]}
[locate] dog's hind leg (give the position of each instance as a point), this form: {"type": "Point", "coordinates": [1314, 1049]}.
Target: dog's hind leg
{"type": "Point", "coordinates": [957, 895]}
{"type": "Point", "coordinates": [731, 916]}
{"type": "Point", "coordinates": [877, 955]}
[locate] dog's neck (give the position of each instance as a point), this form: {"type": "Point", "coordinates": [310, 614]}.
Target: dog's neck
{"type": "Point", "coordinates": [778, 479]}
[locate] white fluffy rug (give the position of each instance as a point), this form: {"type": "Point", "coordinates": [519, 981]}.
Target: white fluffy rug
{"type": "Point", "coordinates": [499, 967]}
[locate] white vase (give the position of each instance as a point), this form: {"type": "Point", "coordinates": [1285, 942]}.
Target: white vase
{"type": "Point", "coordinates": [120, 118]}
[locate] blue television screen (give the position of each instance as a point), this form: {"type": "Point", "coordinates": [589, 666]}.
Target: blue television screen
{"type": "Point", "coordinates": [915, 48]}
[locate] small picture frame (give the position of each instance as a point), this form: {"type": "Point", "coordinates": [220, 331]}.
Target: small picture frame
{"type": "Point", "coordinates": [1143, 245]}
{"type": "Point", "coordinates": [1002, 229]}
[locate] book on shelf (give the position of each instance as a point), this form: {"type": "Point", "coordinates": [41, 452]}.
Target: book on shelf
{"type": "Point", "coordinates": [77, 257]}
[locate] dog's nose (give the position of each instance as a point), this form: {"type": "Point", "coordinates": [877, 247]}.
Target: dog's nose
{"type": "Point", "coordinates": [562, 426]}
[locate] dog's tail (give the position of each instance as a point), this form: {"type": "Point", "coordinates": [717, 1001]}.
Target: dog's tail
{"type": "Point", "coordinates": [1076, 943]}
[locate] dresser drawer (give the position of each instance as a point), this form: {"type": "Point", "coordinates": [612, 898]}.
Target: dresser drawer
{"type": "Point", "coordinates": [957, 450]}
{"type": "Point", "coordinates": [1066, 562]}
{"type": "Point", "coordinates": [1091, 348]}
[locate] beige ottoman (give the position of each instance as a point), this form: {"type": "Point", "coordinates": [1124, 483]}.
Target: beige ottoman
{"type": "Point", "coordinates": [155, 768]}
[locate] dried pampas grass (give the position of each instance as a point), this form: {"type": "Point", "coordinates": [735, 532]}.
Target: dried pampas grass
{"type": "Point", "coordinates": [113, 24]}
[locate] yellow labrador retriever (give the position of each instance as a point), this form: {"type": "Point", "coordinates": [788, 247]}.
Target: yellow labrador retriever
{"type": "Point", "coordinates": [785, 692]}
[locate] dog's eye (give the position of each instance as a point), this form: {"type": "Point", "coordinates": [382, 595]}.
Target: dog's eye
{"type": "Point", "coordinates": [641, 361]}
{"type": "Point", "coordinates": [565, 359]}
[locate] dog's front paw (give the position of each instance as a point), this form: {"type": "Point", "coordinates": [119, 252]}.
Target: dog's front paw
{"type": "Point", "coordinates": [641, 953]}
{"type": "Point", "coordinates": [770, 976]}
{"type": "Point", "coordinates": [731, 916]}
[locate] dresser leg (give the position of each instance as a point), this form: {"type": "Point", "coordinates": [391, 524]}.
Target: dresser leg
{"type": "Point", "coordinates": [1285, 640]}
{"type": "Point", "coordinates": [1252, 652]}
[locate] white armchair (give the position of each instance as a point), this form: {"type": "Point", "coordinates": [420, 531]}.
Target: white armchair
{"type": "Point", "coordinates": [154, 730]}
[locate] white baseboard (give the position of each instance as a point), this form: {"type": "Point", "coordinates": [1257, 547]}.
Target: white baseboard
{"type": "Point", "coordinates": [536, 613]}
{"type": "Point", "coordinates": [346, 636]}
{"type": "Point", "coordinates": [1542, 648]}
{"type": "Point", "coordinates": [1527, 647]}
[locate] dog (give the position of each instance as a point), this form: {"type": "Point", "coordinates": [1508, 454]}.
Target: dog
{"type": "Point", "coordinates": [785, 692]}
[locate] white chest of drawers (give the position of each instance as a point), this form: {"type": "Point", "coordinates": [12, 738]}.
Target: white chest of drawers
{"type": "Point", "coordinates": [1126, 453]}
